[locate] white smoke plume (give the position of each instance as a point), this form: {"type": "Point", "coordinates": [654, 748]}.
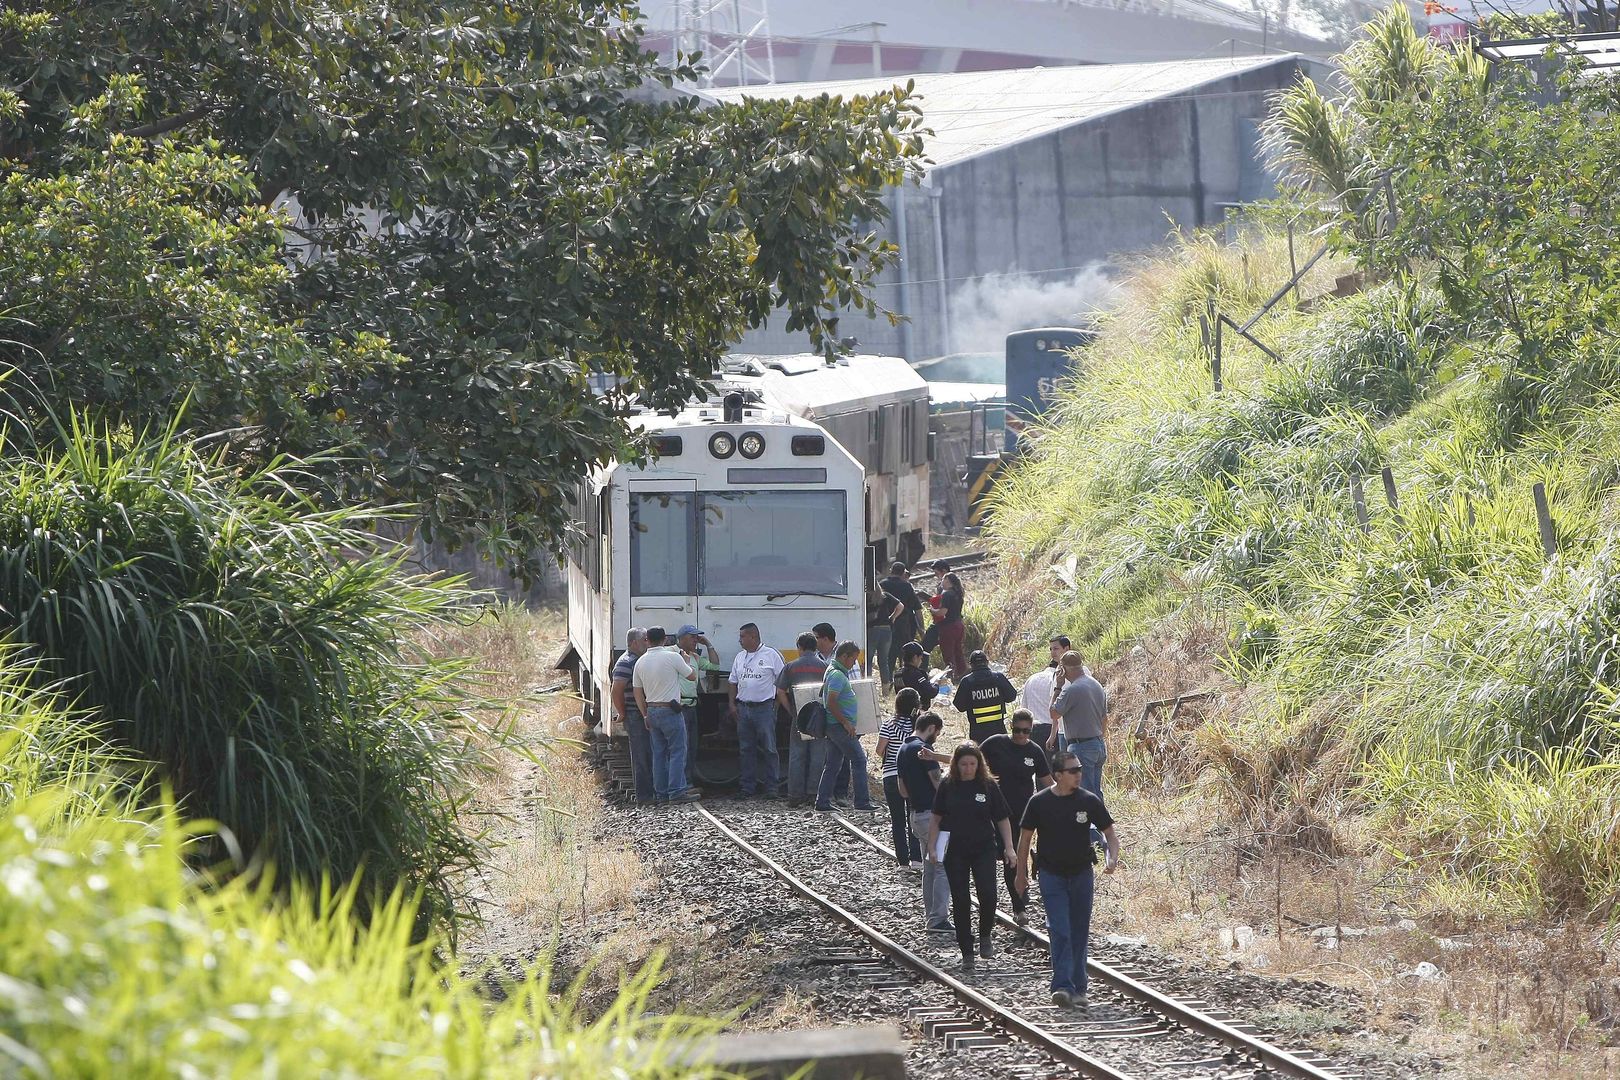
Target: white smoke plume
{"type": "Point", "coordinates": [985, 310]}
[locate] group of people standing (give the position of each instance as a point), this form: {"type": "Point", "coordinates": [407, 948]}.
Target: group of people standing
{"type": "Point", "coordinates": [1004, 795]}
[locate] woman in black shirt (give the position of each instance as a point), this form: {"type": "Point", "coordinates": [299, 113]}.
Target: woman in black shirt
{"type": "Point", "coordinates": [969, 806]}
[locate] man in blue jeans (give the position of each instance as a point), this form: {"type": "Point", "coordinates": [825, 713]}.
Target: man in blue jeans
{"type": "Point", "coordinates": [629, 717]}
{"type": "Point", "coordinates": [843, 744]}
{"type": "Point", "coordinates": [657, 684]}
{"type": "Point", "coordinates": [1059, 820]}
{"type": "Point", "coordinates": [752, 687]}
{"type": "Point", "coordinates": [1080, 717]}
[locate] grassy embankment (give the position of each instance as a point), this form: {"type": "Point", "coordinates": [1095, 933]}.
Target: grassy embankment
{"type": "Point", "coordinates": [237, 790]}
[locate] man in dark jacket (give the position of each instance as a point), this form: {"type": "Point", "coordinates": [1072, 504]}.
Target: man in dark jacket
{"type": "Point", "coordinates": [985, 696]}
{"type": "Point", "coordinates": [908, 627]}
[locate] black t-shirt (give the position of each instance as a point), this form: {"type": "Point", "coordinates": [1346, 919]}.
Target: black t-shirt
{"type": "Point", "coordinates": [883, 608]}
{"type": "Point", "coordinates": [950, 602]}
{"type": "Point", "coordinates": [917, 679]}
{"type": "Point", "coordinates": [1016, 767]}
{"type": "Point", "coordinates": [901, 589]}
{"type": "Point", "coordinates": [970, 810]}
{"type": "Point", "coordinates": [918, 774]}
{"type": "Point", "coordinates": [1062, 826]}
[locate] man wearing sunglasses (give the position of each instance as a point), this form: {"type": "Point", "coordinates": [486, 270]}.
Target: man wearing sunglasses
{"type": "Point", "coordinates": [1019, 765]}
{"type": "Point", "coordinates": [1059, 822]}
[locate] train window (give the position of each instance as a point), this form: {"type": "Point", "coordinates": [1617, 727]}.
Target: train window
{"type": "Point", "coordinates": [773, 542]}
{"type": "Point", "coordinates": [661, 543]}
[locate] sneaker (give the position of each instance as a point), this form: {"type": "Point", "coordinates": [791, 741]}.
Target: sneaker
{"type": "Point", "coordinates": [987, 949]}
{"type": "Point", "coordinates": [911, 868]}
{"type": "Point", "coordinates": [865, 809]}
{"type": "Point", "coordinates": [1080, 1002]}
{"type": "Point", "coordinates": [942, 928]}
{"type": "Point", "coordinates": [1021, 918]}
{"type": "Point", "coordinates": [968, 964]}
{"type": "Point", "coordinates": [1062, 999]}
{"type": "Point", "coordinates": [824, 809]}
{"type": "Point", "coordinates": [689, 795]}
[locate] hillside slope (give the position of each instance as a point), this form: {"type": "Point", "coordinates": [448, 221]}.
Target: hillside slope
{"type": "Point", "coordinates": [1436, 675]}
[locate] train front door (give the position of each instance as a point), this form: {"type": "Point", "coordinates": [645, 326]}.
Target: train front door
{"type": "Point", "coordinates": [663, 553]}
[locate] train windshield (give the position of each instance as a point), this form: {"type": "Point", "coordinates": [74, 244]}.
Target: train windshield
{"type": "Point", "coordinates": [772, 542]}
{"type": "Point", "coordinates": [661, 543]}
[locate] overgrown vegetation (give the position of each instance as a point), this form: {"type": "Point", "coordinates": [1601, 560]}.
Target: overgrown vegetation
{"type": "Point", "coordinates": [121, 960]}
{"type": "Point", "coordinates": [1436, 671]}
{"type": "Point", "coordinates": [255, 649]}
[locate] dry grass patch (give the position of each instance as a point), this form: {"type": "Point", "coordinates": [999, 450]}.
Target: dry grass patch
{"type": "Point", "coordinates": [553, 877]}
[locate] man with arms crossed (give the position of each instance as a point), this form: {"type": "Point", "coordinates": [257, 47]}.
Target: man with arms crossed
{"type": "Point", "coordinates": [1059, 820]}
{"type": "Point", "coordinates": [752, 689]}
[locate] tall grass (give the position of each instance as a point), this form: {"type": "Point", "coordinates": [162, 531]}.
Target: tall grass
{"type": "Point", "coordinates": [253, 649]}
{"type": "Point", "coordinates": [1414, 672]}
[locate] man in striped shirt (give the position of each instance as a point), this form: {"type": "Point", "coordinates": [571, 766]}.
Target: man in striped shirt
{"type": "Point", "coordinates": [896, 730]}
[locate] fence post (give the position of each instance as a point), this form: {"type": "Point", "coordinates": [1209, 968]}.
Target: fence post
{"type": "Point", "coordinates": [1549, 536]}
{"type": "Point", "coordinates": [1293, 265]}
{"type": "Point", "coordinates": [1215, 358]}
{"type": "Point", "coordinates": [1359, 497]}
{"type": "Point", "coordinates": [1389, 490]}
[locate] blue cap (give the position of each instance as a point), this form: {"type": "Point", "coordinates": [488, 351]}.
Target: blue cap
{"type": "Point", "coordinates": [688, 629]}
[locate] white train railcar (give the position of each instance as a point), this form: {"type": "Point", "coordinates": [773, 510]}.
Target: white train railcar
{"type": "Point", "coordinates": [876, 407]}
{"type": "Point", "coordinates": [748, 513]}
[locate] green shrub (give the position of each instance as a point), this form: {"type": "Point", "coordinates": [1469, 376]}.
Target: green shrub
{"type": "Point", "coordinates": [120, 962]}
{"type": "Point", "coordinates": [251, 647]}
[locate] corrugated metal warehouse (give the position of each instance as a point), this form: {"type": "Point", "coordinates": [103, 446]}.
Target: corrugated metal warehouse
{"type": "Point", "coordinates": [1040, 175]}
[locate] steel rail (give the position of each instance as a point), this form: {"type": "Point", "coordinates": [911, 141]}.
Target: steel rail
{"type": "Point", "coordinates": [1193, 1019]}
{"type": "Point", "coordinates": [1068, 1054]}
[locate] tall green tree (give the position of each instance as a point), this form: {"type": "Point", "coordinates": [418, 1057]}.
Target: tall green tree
{"type": "Point", "coordinates": [487, 212]}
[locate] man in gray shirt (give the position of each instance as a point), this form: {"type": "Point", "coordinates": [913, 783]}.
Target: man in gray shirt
{"type": "Point", "coordinates": [1080, 711]}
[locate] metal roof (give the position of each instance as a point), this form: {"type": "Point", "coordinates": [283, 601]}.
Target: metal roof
{"type": "Point", "coordinates": [974, 112]}
{"type": "Point", "coordinates": [807, 385]}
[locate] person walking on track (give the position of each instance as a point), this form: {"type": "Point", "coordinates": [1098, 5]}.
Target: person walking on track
{"type": "Point", "coordinates": [1019, 766]}
{"type": "Point", "coordinates": [656, 682]}
{"type": "Point", "coordinates": [843, 743]}
{"type": "Point", "coordinates": [969, 807]}
{"type": "Point", "coordinates": [752, 689]}
{"type": "Point", "coordinates": [1059, 821]}
{"type": "Point", "coordinates": [985, 696]}
{"type": "Point", "coordinates": [919, 779]}
{"type": "Point", "coordinates": [806, 753]}
{"type": "Point", "coordinates": [891, 736]}
{"type": "Point", "coordinates": [629, 716]}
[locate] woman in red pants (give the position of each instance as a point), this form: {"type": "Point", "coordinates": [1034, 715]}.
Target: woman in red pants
{"type": "Point", "coordinates": [952, 630]}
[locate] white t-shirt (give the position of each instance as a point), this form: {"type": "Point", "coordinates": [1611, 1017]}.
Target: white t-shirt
{"type": "Point", "coordinates": [754, 673]}
{"type": "Point", "coordinates": [659, 673]}
{"type": "Point", "coordinates": [1037, 694]}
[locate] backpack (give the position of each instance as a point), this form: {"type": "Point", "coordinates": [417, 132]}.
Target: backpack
{"type": "Point", "coordinates": [812, 720]}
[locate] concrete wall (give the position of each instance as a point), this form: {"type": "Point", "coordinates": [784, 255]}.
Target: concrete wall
{"type": "Point", "coordinates": [1036, 211]}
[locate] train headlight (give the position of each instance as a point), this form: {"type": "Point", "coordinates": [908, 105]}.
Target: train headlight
{"type": "Point", "coordinates": [752, 444]}
{"type": "Point", "coordinates": [722, 445]}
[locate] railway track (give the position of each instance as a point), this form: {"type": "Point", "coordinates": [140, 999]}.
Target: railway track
{"type": "Point", "coordinates": [1131, 1031]}
{"type": "Point", "coordinates": [1128, 983]}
